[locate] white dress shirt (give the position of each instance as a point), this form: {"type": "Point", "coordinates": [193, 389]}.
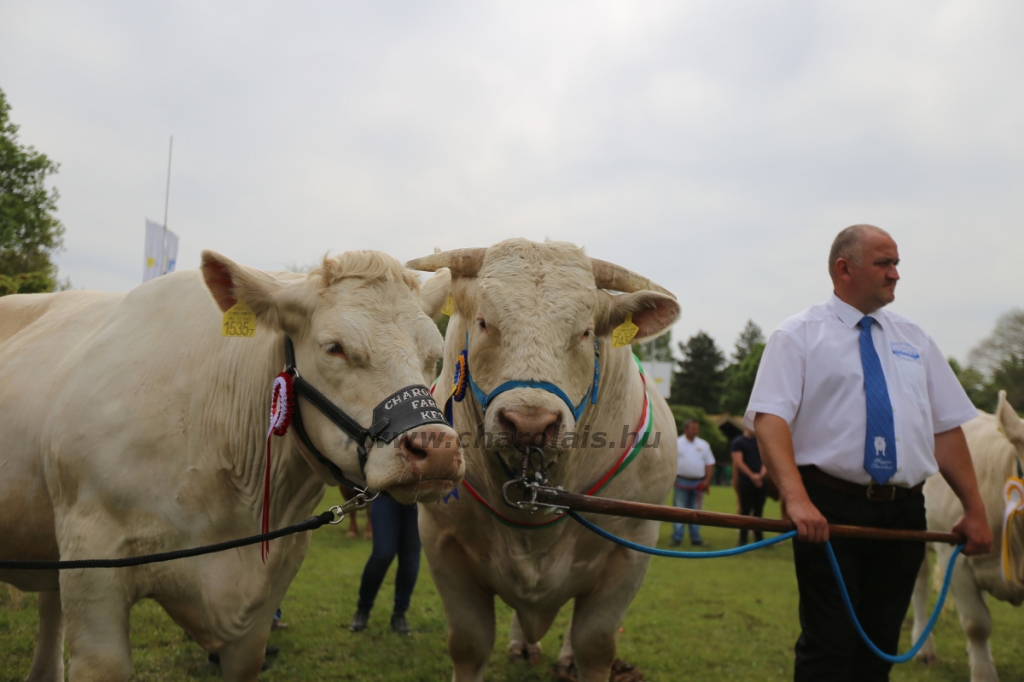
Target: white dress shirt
{"type": "Point", "coordinates": [693, 457]}
{"type": "Point", "coordinates": [811, 375]}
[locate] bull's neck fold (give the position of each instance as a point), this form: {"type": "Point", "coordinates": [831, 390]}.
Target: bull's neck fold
{"type": "Point", "coordinates": [241, 383]}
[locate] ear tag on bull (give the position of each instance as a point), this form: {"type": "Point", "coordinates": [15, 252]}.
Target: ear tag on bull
{"type": "Point", "coordinates": [239, 320]}
{"type": "Point", "coordinates": [624, 333]}
{"type": "Point", "coordinates": [449, 306]}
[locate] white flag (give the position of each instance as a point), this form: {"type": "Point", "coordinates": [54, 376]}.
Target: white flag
{"type": "Point", "coordinates": [154, 264]}
{"type": "Point", "coordinates": [161, 251]}
{"type": "Point", "coordinates": [170, 251]}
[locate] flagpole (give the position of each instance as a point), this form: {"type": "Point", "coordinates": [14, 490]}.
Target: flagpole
{"type": "Point", "coordinates": [167, 197]}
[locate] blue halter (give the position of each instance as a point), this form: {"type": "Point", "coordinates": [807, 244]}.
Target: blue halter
{"type": "Point", "coordinates": [485, 398]}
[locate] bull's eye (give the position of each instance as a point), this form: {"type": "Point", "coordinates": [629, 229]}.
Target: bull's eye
{"type": "Point", "coordinates": [482, 323]}
{"type": "Point", "coordinates": [336, 349]}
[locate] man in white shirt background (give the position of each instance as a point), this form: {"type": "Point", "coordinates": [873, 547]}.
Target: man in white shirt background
{"type": "Point", "coordinates": [694, 466]}
{"type": "Point", "coordinates": [854, 407]}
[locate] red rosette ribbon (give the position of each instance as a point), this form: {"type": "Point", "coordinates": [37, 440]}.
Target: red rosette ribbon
{"type": "Point", "coordinates": [282, 404]}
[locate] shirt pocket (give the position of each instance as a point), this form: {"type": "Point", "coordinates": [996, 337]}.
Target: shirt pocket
{"type": "Point", "coordinates": [914, 381]}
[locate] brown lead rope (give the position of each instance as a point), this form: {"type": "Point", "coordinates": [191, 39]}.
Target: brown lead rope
{"type": "Point", "coordinates": [638, 510]}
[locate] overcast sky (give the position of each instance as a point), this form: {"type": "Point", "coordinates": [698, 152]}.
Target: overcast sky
{"type": "Point", "coordinates": [714, 147]}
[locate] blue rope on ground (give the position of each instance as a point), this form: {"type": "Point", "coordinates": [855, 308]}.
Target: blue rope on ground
{"type": "Point", "coordinates": [927, 628]}
{"type": "Point", "coordinates": [835, 571]}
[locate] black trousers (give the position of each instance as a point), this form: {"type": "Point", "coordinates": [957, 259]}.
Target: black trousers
{"type": "Point", "coordinates": [879, 575]}
{"type": "Point", "coordinates": [751, 504]}
{"type": "Point", "coordinates": [395, 532]}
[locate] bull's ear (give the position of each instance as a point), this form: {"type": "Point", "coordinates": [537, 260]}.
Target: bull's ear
{"type": "Point", "coordinates": [1012, 425]}
{"type": "Point", "coordinates": [276, 303]}
{"type": "Point", "coordinates": [652, 312]}
{"type": "Point", "coordinates": [435, 291]}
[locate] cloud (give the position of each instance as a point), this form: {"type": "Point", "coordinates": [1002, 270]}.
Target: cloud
{"type": "Point", "coordinates": [716, 147]}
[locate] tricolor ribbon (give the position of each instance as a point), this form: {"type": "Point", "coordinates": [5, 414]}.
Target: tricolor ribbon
{"type": "Point", "coordinates": [282, 402]}
{"type": "Point", "coordinates": [1013, 493]}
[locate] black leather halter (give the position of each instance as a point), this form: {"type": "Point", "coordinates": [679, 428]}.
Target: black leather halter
{"type": "Point", "coordinates": [401, 411]}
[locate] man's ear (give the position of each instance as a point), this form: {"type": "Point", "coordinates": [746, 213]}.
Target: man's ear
{"type": "Point", "coordinates": [435, 291]}
{"type": "Point", "coordinates": [652, 312]}
{"type": "Point", "coordinates": [283, 305]}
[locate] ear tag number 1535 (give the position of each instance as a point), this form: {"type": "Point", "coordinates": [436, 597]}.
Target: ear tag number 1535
{"type": "Point", "coordinates": [239, 320]}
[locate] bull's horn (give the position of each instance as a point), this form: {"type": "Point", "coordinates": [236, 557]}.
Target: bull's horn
{"type": "Point", "coordinates": [617, 278]}
{"type": "Point", "coordinates": [465, 262]}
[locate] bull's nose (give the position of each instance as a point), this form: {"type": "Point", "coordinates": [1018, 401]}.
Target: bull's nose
{"type": "Point", "coordinates": [432, 452]}
{"type": "Point", "coordinates": [530, 425]}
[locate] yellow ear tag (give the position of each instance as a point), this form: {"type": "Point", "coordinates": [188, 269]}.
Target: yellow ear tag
{"type": "Point", "coordinates": [239, 320]}
{"type": "Point", "coordinates": [449, 306]}
{"type": "Point", "coordinates": [624, 333]}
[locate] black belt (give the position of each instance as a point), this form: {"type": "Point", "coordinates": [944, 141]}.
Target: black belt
{"type": "Point", "coordinates": [872, 491]}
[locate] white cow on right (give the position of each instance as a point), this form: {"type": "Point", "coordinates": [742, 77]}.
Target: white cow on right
{"type": "Point", "coordinates": [997, 446]}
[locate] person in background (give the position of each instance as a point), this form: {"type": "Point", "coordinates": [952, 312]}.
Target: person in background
{"type": "Point", "coordinates": [395, 532]}
{"type": "Point", "coordinates": [694, 467]}
{"type": "Point", "coordinates": [750, 483]}
{"type": "Point", "coordinates": [854, 407]}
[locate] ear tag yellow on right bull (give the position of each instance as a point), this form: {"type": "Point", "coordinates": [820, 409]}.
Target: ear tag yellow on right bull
{"type": "Point", "coordinates": [449, 306]}
{"type": "Point", "coordinates": [239, 320]}
{"type": "Point", "coordinates": [624, 333]}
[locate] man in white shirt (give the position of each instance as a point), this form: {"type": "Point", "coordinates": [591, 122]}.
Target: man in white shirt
{"type": "Point", "coordinates": [854, 408]}
{"type": "Point", "coordinates": [693, 478]}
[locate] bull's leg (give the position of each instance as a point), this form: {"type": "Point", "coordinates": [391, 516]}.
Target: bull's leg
{"type": "Point", "coordinates": [48, 661]}
{"type": "Point", "coordinates": [976, 622]}
{"type": "Point", "coordinates": [598, 614]}
{"type": "Point", "coordinates": [96, 608]}
{"type": "Point", "coordinates": [927, 654]}
{"type": "Point", "coordinates": [353, 526]}
{"type": "Point", "coordinates": [519, 646]}
{"type": "Point", "coordinates": [565, 653]}
{"type": "Point", "coordinates": [241, 660]}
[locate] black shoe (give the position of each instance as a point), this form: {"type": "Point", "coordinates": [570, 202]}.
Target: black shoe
{"type": "Point", "coordinates": [272, 650]}
{"type": "Point", "coordinates": [213, 659]}
{"type": "Point", "coordinates": [359, 621]}
{"type": "Point", "coordinates": [399, 624]}
{"type": "Point", "coordinates": [700, 543]}
{"type": "Point", "coordinates": [674, 543]}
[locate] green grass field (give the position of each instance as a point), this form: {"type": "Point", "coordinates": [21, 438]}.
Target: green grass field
{"type": "Point", "coordinates": [716, 619]}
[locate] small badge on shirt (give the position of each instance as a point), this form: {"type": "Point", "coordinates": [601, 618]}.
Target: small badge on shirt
{"type": "Point", "coordinates": [905, 351]}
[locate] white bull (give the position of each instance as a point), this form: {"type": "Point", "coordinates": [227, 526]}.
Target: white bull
{"type": "Point", "coordinates": [531, 312]}
{"type": "Point", "coordinates": [130, 425]}
{"type": "Point", "coordinates": [997, 446]}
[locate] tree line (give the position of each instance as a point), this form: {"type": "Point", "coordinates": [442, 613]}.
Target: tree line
{"type": "Point", "coordinates": [30, 233]}
{"type": "Point", "coordinates": [705, 378]}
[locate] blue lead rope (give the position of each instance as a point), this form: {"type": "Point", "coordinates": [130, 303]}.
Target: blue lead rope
{"type": "Point", "coordinates": [835, 571]}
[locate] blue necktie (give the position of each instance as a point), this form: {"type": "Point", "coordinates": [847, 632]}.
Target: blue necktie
{"type": "Point", "coordinates": [880, 438]}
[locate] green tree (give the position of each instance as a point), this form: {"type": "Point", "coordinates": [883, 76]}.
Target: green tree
{"type": "Point", "coordinates": [749, 338]}
{"type": "Point", "coordinates": [997, 363]}
{"type": "Point", "coordinates": [739, 381]}
{"type": "Point", "coordinates": [699, 379]}
{"type": "Point", "coordinates": [30, 233]}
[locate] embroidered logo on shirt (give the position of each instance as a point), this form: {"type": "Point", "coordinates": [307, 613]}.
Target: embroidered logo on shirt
{"type": "Point", "coordinates": [905, 351]}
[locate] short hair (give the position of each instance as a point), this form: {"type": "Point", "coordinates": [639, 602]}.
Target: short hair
{"type": "Point", "coordinates": [847, 245]}
{"type": "Point", "coordinates": [688, 422]}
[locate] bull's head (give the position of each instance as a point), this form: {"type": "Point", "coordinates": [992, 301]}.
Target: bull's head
{"type": "Point", "coordinates": [361, 329]}
{"type": "Point", "coordinates": [530, 312]}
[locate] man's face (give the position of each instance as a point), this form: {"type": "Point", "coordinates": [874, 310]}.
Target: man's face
{"type": "Point", "coordinates": [873, 281]}
{"type": "Point", "coordinates": [691, 431]}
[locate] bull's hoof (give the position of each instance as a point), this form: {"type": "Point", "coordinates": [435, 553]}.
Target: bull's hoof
{"type": "Point", "coordinates": [620, 672]}
{"type": "Point", "coordinates": [928, 658]}
{"type": "Point", "coordinates": [519, 652]}
{"type": "Point", "coordinates": [625, 672]}
{"type": "Point", "coordinates": [352, 533]}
